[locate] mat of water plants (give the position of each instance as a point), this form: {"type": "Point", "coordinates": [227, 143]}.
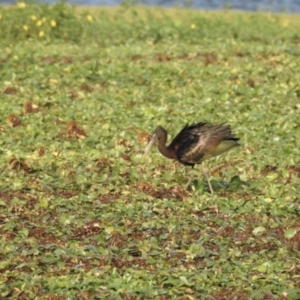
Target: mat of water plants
{"type": "Point", "coordinates": [83, 215]}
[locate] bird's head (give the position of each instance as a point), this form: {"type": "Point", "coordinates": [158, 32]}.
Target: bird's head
{"type": "Point", "coordinates": [159, 134]}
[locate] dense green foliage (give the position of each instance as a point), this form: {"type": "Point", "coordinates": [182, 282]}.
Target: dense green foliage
{"type": "Point", "coordinates": [83, 216]}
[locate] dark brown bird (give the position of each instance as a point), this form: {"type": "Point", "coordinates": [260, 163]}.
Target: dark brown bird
{"type": "Point", "coordinates": [195, 143]}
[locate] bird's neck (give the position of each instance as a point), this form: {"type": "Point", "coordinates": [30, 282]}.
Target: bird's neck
{"type": "Point", "coordinates": [165, 150]}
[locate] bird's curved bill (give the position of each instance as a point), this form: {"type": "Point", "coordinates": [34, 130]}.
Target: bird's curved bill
{"type": "Point", "coordinates": [152, 141]}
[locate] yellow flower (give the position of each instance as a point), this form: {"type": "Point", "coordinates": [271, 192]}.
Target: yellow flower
{"type": "Point", "coordinates": [44, 20]}
{"type": "Point", "coordinates": [16, 57]}
{"type": "Point", "coordinates": [21, 4]}
{"type": "Point", "coordinates": [41, 33]}
{"type": "Point", "coordinates": [193, 26]}
{"type": "Point", "coordinates": [53, 23]}
{"type": "Point", "coordinates": [33, 17]}
{"type": "Point", "coordinates": [25, 27]}
{"type": "Point", "coordinates": [39, 23]}
{"type": "Point", "coordinates": [0, 16]}
{"type": "Point", "coordinates": [89, 18]}
{"type": "Point", "coordinates": [53, 81]}
{"type": "Point", "coordinates": [285, 23]}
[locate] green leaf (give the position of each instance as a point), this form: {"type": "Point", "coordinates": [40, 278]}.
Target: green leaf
{"type": "Point", "coordinates": [197, 249]}
{"type": "Point", "coordinates": [109, 229]}
{"type": "Point", "coordinates": [263, 268]}
{"type": "Point", "coordinates": [65, 219]}
{"type": "Point", "coordinates": [43, 203]}
{"type": "Point", "coordinates": [272, 176]}
{"type": "Point", "coordinates": [290, 233]}
{"type": "Point", "coordinates": [24, 232]}
{"type": "Point", "coordinates": [259, 230]}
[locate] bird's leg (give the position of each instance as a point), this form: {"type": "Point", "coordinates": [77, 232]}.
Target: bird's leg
{"type": "Point", "coordinates": [190, 179]}
{"type": "Point", "coordinates": [205, 172]}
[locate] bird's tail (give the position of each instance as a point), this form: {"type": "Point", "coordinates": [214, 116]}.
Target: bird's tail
{"type": "Point", "coordinates": [222, 140]}
{"type": "Point", "coordinates": [224, 146]}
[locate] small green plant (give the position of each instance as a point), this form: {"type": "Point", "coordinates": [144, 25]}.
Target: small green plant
{"type": "Point", "coordinates": [27, 20]}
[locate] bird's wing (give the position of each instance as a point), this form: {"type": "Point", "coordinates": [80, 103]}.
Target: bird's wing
{"type": "Point", "coordinates": [221, 148]}
{"type": "Point", "coordinates": [185, 142]}
{"type": "Point", "coordinates": [205, 142]}
{"type": "Point", "coordinates": [186, 138]}
{"type": "Point", "coordinates": [191, 152]}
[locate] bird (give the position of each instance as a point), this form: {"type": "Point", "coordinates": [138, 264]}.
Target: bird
{"type": "Point", "coordinates": [195, 143]}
